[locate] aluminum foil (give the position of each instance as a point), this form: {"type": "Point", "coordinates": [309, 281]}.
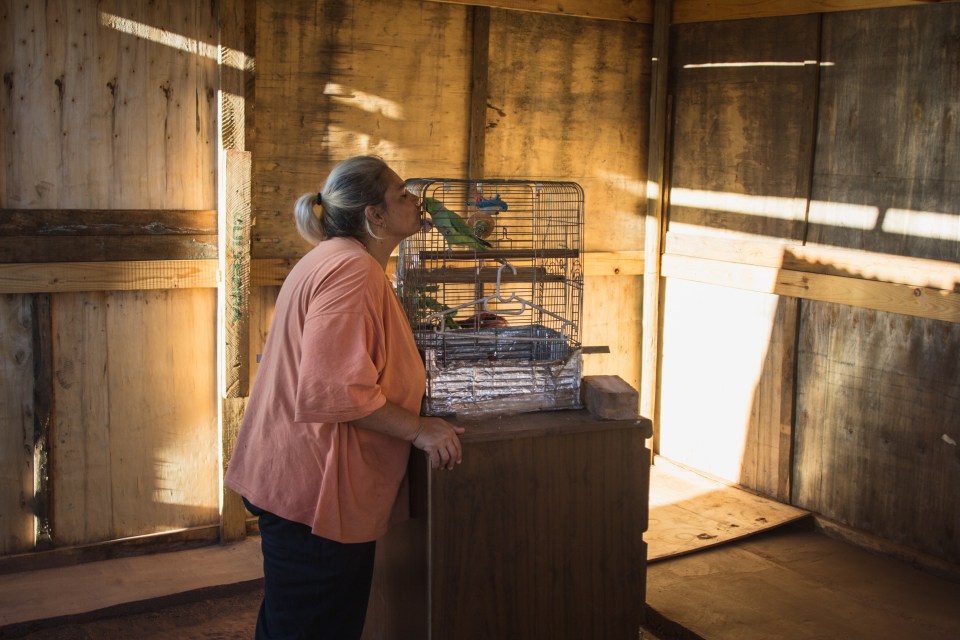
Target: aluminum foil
{"type": "Point", "coordinates": [487, 387]}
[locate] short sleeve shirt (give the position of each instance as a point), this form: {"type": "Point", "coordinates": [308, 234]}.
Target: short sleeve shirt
{"type": "Point", "coordinates": [339, 347]}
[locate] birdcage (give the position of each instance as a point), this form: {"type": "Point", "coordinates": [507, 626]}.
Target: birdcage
{"type": "Point", "coordinates": [493, 288]}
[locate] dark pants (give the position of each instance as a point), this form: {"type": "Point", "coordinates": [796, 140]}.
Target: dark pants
{"type": "Point", "coordinates": [314, 588]}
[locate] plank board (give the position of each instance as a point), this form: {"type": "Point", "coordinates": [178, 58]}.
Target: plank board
{"type": "Point", "coordinates": [888, 153]}
{"type": "Point", "coordinates": [878, 392]}
{"type": "Point", "coordinates": [16, 424]}
{"type": "Point", "coordinates": [569, 101]}
{"type": "Point", "coordinates": [329, 86]}
{"type": "Point", "coordinates": [744, 96]}
{"type": "Point", "coordinates": [109, 106]}
{"type": "Point", "coordinates": [710, 11]}
{"type": "Point", "coordinates": [877, 430]}
{"type": "Point", "coordinates": [136, 418]}
{"type": "Point", "coordinates": [690, 511]}
{"type": "Point", "coordinates": [626, 10]}
{"type": "Point", "coordinates": [611, 318]}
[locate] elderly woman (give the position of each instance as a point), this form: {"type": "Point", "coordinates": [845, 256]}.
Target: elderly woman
{"type": "Point", "coordinates": [325, 440]}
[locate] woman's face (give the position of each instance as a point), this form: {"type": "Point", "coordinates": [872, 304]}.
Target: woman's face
{"type": "Point", "coordinates": [402, 212]}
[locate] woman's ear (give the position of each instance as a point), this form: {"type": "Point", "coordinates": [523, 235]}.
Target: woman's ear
{"type": "Point", "coordinates": [374, 214]}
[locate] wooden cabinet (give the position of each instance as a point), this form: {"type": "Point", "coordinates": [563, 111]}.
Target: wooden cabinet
{"type": "Point", "coordinates": [537, 534]}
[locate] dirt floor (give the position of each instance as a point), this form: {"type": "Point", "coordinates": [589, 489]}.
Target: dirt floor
{"type": "Point", "coordinates": [220, 617]}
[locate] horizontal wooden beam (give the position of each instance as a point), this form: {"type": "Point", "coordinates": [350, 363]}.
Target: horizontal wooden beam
{"type": "Point", "coordinates": [715, 10]}
{"type": "Point", "coordinates": [924, 302]}
{"type": "Point", "coordinates": [689, 10]}
{"type": "Point", "coordinates": [107, 222]}
{"type": "Point", "coordinates": [620, 10]}
{"type": "Point", "coordinates": [272, 272]}
{"type": "Point", "coordinates": [83, 249]}
{"type": "Point", "coordinates": [53, 277]}
{"type": "Point", "coordinates": [817, 258]}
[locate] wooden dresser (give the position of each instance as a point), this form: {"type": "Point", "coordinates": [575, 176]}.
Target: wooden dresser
{"type": "Point", "coordinates": [538, 534]}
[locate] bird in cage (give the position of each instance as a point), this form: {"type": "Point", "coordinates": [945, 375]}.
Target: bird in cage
{"type": "Point", "coordinates": [453, 228]}
{"type": "Point", "coordinates": [482, 219]}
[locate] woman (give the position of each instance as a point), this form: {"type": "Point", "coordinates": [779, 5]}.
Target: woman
{"type": "Point", "coordinates": [326, 436]}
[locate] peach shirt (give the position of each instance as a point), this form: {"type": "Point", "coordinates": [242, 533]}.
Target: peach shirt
{"type": "Point", "coordinates": [339, 347]}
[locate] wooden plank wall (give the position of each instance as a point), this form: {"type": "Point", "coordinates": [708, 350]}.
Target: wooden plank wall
{"type": "Point", "coordinates": [879, 392]}
{"type": "Point", "coordinates": [566, 99]}
{"type": "Point", "coordinates": [569, 100]}
{"type": "Point", "coordinates": [811, 324]}
{"type": "Point", "coordinates": [108, 152]}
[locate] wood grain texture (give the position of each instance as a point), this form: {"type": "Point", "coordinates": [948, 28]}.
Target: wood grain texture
{"type": "Point", "coordinates": [611, 317]}
{"type": "Point", "coordinates": [109, 106]}
{"type": "Point", "coordinates": [104, 222]}
{"type": "Point", "coordinates": [550, 509]}
{"type": "Point", "coordinates": [624, 10]}
{"type": "Point", "coordinates": [745, 95]}
{"type": "Point", "coordinates": [867, 265]}
{"type": "Point", "coordinates": [107, 248]}
{"type": "Point", "coordinates": [658, 161]}
{"type": "Point", "coordinates": [136, 450]}
{"type": "Point", "coordinates": [923, 302]}
{"type": "Point", "coordinates": [710, 11]}
{"type": "Point", "coordinates": [887, 153]}
{"type": "Point", "coordinates": [16, 424]}
{"type": "Point", "coordinates": [107, 276]}
{"type": "Point", "coordinates": [568, 101]}
{"type": "Point", "coordinates": [878, 400]}
{"type": "Point", "coordinates": [343, 77]}
{"type": "Point", "coordinates": [690, 511]}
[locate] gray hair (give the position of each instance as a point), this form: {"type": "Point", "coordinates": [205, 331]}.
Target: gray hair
{"type": "Point", "coordinates": [352, 185]}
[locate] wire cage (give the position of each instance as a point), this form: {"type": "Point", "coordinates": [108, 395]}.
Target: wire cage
{"type": "Point", "coordinates": [493, 289]}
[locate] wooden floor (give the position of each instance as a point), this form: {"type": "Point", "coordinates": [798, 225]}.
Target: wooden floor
{"type": "Point", "coordinates": [754, 578]}
{"type": "Point", "coordinates": [689, 511]}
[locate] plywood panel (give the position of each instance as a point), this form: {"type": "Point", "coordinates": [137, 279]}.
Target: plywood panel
{"type": "Point", "coordinates": [16, 424]}
{"type": "Point", "coordinates": [569, 101]}
{"type": "Point", "coordinates": [744, 99]}
{"type": "Point", "coordinates": [611, 318]}
{"type": "Point", "coordinates": [339, 78]}
{"type": "Point", "coordinates": [136, 417]}
{"type": "Point", "coordinates": [262, 302]}
{"type": "Point", "coordinates": [690, 511]}
{"type": "Point", "coordinates": [726, 383]}
{"type": "Point", "coordinates": [877, 430]}
{"type": "Point", "coordinates": [109, 105]}
{"type": "Point", "coordinates": [888, 150]}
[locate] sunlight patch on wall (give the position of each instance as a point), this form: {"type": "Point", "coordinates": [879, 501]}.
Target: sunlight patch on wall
{"type": "Point", "coordinates": [766, 206]}
{"type": "Point", "coordinates": [364, 101]}
{"type": "Point", "coordinates": [925, 224]}
{"type": "Point", "coordinates": [235, 59]}
{"type": "Point", "coordinates": [841, 214]}
{"type": "Point", "coordinates": [768, 63]}
{"type": "Point", "coordinates": [348, 142]}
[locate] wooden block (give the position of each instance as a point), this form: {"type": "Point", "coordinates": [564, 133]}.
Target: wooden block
{"type": "Point", "coordinates": [609, 397]}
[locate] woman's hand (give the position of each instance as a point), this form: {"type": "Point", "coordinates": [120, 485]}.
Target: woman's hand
{"type": "Point", "coordinates": [438, 438]}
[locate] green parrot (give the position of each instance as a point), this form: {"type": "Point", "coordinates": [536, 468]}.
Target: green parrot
{"type": "Point", "coordinates": [453, 228]}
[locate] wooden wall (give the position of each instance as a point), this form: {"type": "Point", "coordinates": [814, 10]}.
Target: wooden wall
{"type": "Point", "coordinates": [811, 322]}
{"type": "Point", "coordinates": [562, 98]}
{"type": "Point", "coordinates": [109, 209]}
{"type": "Point", "coordinates": [107, 199]}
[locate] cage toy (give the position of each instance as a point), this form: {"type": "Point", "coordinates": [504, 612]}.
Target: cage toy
{"type": "Point", "coordinates": [492, 286]}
